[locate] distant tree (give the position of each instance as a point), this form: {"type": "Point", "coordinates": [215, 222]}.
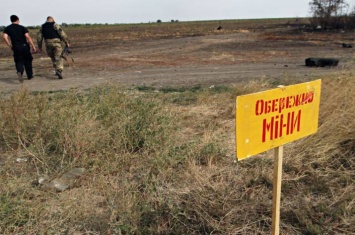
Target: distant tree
{"type": "Point", "coordinates": [158, 21]}
{"type": "Point", "coordinates": [328, 13]}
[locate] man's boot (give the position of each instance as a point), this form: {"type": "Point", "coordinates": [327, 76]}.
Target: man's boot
{"type": "Point", "coordinates": [59, 74]}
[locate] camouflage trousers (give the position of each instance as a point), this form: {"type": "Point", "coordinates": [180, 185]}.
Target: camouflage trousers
{"type": "Point", "coordinates": [54, 51]}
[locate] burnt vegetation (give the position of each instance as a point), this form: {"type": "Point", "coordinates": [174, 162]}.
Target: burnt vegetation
{"type": "Point", "coordinates": [332, 14]}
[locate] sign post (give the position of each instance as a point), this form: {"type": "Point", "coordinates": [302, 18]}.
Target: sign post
{"type": "Point", "coordinates": [270, 119]}
{"type": "Point", "coordinates": [278, 155]}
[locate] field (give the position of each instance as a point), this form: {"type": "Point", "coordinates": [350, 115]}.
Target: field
{"type": "Point", "coordinates": [148, 110]}
{"type": "Point", "coordinates": [185, 54]}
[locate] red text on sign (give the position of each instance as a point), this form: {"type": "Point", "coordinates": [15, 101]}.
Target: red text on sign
{"type": "Point", "coordinates": [280, 104]}
{"type": "Point", "coordinates": [280, 125]}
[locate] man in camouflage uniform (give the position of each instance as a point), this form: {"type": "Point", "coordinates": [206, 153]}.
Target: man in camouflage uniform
{"type": "Point", "coordinates": [53, 35]}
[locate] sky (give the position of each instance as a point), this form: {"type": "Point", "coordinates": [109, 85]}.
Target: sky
{"type": "Point", "coordinates": [35, 12]}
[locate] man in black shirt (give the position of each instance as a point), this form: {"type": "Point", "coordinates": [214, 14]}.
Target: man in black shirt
{"type": "Point", "coordinates": [18, 39]}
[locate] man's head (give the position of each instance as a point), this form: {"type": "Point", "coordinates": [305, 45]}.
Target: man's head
{"type": "Point", "coordinates": [50, 19]}
{"type": "Point", "coordinates": [14, 18]}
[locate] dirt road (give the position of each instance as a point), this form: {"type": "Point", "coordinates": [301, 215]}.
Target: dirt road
{"type": "Point", "coordinates": [186, 61]}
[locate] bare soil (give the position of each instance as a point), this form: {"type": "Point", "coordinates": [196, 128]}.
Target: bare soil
{"type": "Point", "coordinates": [217, 58]}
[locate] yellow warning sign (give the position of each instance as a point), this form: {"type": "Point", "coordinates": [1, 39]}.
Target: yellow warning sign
{"type": "Point", "coordinates": [272, 118]}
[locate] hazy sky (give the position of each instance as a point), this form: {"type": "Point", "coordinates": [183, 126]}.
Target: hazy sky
{"type": "Point", "coordinates": [34, 12]}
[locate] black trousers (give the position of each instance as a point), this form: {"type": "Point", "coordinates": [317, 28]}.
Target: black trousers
{"type": "Point", "coordinates": [23, 59]}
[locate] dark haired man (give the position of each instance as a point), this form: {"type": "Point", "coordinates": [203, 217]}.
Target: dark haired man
{"type": "Point", "coordinates": [18, 39]}
{"type": "Point", "coordinates": [53, 35]}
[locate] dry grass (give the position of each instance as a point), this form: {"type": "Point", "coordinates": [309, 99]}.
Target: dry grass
{"type": "Point", "coordinates": [164, 163]}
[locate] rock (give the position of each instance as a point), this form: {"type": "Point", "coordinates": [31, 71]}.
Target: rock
{"type": "Point", "coordinates": [65, 181]}
{"type": "Point", "coordinates": [21, 159]}
{"type": "Point", "coordinates": [41, 180]}
{"type": "Point", "coordinates": [345, 45]}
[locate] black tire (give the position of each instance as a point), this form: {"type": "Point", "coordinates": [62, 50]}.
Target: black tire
{"type": "Point", "coordinates": [321, 62]}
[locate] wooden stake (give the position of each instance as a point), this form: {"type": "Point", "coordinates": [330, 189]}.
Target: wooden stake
{"type": "Point", "coordinates": [278, 154]}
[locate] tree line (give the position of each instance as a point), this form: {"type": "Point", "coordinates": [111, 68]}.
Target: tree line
{"type": "Point", "coordinates": [332, 14]}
